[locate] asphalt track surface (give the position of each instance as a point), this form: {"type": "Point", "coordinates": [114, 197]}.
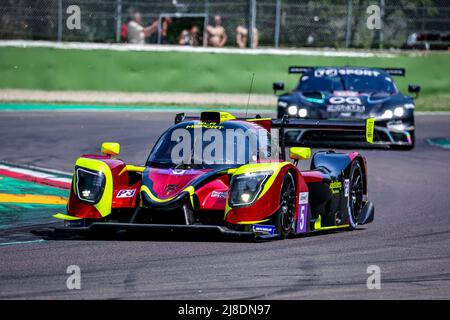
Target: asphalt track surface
{"type": "Point", "coordinates": [409, 239]}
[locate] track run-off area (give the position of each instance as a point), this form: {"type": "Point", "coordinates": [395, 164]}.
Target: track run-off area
{"type": "Point", "coordinates": [409, 240]}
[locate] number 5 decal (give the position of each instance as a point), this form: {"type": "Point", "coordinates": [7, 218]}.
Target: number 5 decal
{"type": "Point", "coordinates": [303, 212]}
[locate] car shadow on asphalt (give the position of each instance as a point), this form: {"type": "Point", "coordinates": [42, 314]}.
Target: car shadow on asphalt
{"type": "Point", "coordinates": [58, 234]}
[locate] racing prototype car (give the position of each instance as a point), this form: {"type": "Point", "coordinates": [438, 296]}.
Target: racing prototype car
{"type": "Point", "coordinates": [258, 195]}
{"type": "Point", "coordinates": [350, 93]}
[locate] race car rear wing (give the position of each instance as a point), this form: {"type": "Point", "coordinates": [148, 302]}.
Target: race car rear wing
{"type": "Point", "coordinates": [401, 72]}
{"type": "Point", "coordinates": [363, 128]}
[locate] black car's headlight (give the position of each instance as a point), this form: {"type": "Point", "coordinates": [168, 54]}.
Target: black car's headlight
{"type": "Point", "coordinates": [245, 188]}
{"type": "Point", "coordinates": [392, 113]}
{"type": "Point", "coordinates": [89, 184]}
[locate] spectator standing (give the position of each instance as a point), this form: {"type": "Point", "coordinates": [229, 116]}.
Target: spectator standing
{"type": "Point", "coordinates": [136, 33]}
{"type": "Point", "coordinates": [217, 36]}
{"type": "Point", "coordinates": [165, 24]}
{"type": "Point", "coordinates": [242, 37]}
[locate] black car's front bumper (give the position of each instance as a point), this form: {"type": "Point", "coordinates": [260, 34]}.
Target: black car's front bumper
{"type": "Point", "coordinates": [386, 134]}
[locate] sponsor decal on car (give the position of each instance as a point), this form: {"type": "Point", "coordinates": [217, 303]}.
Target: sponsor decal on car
{"type": "Point", "coordinates": [302, 212]}
{"type": "Point", "coordinates": [346, 187]}
{"type": "Point", "coordinates": [219, 195]}
{"type": "Point", "coordinates": [345, 104]}
{"type": "Point", "coordinates": [335, 187]}
{"type": "Point", "coordinates": [346, 108]}
{"type": "Point", "coordinates": [126, 193]}
{"type": "Point", "coordinates": [345, 100]}
{"type": "Point", "coordinates": [262, 228]}
{"type": "Point", "coordinates": [332, 72]}
{"type": "Point", "coordinates": [204, 125]}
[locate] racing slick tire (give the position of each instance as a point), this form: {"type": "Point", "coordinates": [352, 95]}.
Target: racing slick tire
{"type": "Point", "coordinates": [284, 217]}
{"type": "Point", "coordinates": [356, 192]}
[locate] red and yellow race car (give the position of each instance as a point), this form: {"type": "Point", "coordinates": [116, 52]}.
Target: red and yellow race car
{"type": "Point", "coordinates": [220, 174]}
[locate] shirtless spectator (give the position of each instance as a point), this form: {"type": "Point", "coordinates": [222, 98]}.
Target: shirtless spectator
{"type": "Point", "coordinates": [242, 37]}
{"type": "Point", "coordinates": [217, 37]}
{"type": "Point", "coordinates": [136, 33]}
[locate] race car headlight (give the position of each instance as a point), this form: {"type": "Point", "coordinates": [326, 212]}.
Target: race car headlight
{"type": "Point", "coordinates": [292, 110]}
{"type": "Point", "coordinates": [90, 185]}
{"type": "Point", "coordinates": [399, 112]}
{"type": "Point", "coordinates": [245, 188]}
{"type": "Point", "coordinates": [302, 113]}
{"type": "Point", "coordinates": [388, 114]}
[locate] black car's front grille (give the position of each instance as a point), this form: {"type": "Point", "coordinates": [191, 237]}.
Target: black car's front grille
{"type": "Point", "coordinates": [322, 137]}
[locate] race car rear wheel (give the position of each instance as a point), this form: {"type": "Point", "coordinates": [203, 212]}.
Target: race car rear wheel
{"type": "Point", "coordinates": [284, 217]}
{"type": "Point", "coordinates": [356, 192]}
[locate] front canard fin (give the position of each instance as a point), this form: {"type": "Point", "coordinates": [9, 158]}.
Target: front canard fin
{"type": "Point", "coordinates": [62, 216]}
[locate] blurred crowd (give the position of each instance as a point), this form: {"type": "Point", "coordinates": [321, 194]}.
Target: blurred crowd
{"type": "Point", "coordinates": [215, 34]}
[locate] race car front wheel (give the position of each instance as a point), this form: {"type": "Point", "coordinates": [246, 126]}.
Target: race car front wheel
{"type": "Point", "coordinates": [356, 192]}
{"type": "Point", "coordinates": [284, 217]}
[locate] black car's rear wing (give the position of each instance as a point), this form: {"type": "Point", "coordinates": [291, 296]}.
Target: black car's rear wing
{"type": "Point", "coordinates": [363, 128]}
{"type": "Point", "coordinates": [302, 69]}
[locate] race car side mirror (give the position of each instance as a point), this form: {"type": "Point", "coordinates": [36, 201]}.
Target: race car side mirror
{"type": "Point", "coordinates": [110, 148]}
{"type": "Point", "coordinates": [299, 153]}
{"type": "Point", "coordinates": [277, 86]}
{"type": "Point", "coordinates": [412, 88]}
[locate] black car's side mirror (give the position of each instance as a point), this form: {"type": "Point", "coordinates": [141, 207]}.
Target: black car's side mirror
{"type": "Point", "coordinates": [412, 88]}
{"type": "Point", "coordinates": [278, 86]}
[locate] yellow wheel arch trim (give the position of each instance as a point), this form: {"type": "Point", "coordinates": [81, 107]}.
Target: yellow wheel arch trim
{"type": "Point", "coordinates": [370, 127]}
{"type": "Point", "coordinates": [189, 189]}
{"type": "Point", "coordinates": [104, 205]}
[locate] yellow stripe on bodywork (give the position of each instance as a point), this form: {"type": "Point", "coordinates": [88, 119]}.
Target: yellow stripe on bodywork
{"type": "Point", "coordinates": [63, 216]}
{"type": "Point", "coordinates": [105, 203]}
{"type": "Point", "coordinates": [258, 119]}
{"type": "Point", "coordinates": [370, 127]}
{"type": "Point", "coordinates": [189, 189]}
{"type": "Point", "coordinates": [318, 225]}
{"type": "Point", "coordinates": [32, 199]}
{"type": "Point", "coordinates": [275, 167]}
{"type": "Point", "coordinates": [253, 222]}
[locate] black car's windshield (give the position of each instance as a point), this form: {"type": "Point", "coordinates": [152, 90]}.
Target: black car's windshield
{"type": "Point", "coordinates": [197, 146]}
{"type": "Point", "coordinates": [371, 82]}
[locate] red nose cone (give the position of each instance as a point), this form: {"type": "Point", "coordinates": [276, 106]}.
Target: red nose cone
{"type": "Point", "coordinates": [168, 183]}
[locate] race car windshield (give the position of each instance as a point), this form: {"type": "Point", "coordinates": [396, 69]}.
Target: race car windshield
{"type": "Point", "coordinates": [358, 83]}
{"type": "Point", "coordinates": [194, 146]}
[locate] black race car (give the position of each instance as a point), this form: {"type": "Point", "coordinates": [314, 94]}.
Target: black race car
{"type": "Point", "coordinates": [349, 93]}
